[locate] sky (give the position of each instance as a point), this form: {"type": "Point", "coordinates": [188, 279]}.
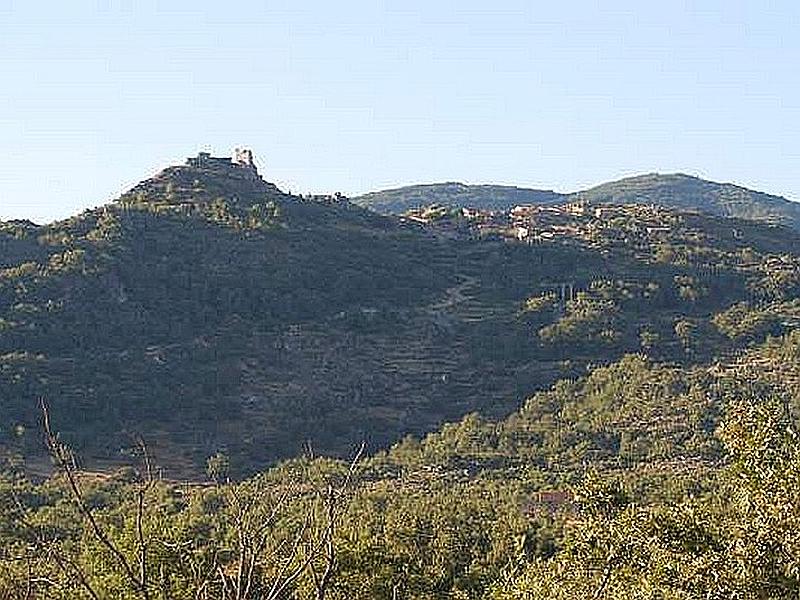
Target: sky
{"type": "Point", "coordinates": [355, 96]}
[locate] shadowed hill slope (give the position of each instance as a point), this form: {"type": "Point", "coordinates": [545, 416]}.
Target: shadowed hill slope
{"type": "Point", "coordinates": [209, 311]}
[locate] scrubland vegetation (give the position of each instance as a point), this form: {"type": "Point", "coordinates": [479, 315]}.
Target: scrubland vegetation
{"type": "Point", "coordinates": [210, 389]}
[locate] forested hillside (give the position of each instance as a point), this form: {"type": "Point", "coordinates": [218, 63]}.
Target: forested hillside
{"type": "Point", "coordinates": [212, 389]}
{"type": "Point", "coordinates": [216, 313]}
{"type": "Point", "coordinates": [638, 480]}
{"type": "Point", "coordinates": [183, 310]}
{"type": "Point", "coordinates": [488, 197]}
{"type": "Point", "coordinates": [685, 192]}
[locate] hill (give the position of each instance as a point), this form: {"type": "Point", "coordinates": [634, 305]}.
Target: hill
{"type": "Point", "coordinates": [685, 192]}
{"type": "Point", "coordinates": [678, 191]}
{"type": "Point", "coordinates": [169, 310]}
{"type": "Point", "coordinates": [652, 469]}
{"type": "Point", "coordinates": [561, 401]}
{"type": "Point", "coordinates": [213, 313]}
{"type": "Point", "coordinates": [459, 195]}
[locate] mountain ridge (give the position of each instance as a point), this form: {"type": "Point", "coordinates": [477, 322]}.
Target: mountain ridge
{"type": "Point", "coordinates": [485, 196]}
{"type": "Point", "coordinates": [672, 190]}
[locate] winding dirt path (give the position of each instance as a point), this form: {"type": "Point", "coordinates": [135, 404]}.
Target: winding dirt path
{"type": "Point", "coordinates": [453, 295]}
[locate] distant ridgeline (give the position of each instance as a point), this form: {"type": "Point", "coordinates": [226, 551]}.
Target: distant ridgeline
{"type": "Point", "coordinates": [485, 197]}
{"type": "Point", "coordinates": [677, 191]}
{"type": "Point", "coordinates": [211, 312]}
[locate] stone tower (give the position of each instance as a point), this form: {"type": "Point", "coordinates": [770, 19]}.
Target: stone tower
{"type": "Point", "coordinates": [243, 157]}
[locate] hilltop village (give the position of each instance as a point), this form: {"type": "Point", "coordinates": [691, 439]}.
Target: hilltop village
{"type": "Point", "coordinates": [592, 224]}
{"type": "Point", "coordinates": [484, 361]}
{"type": "Point", "coordinates": [643, 232]}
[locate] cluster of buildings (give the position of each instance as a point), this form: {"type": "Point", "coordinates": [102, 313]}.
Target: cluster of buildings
{"type": "Point", "coordinates": [334, 198]}
{"type": "Point", "coordinates": [626, 222]}
{"type": "Point", "coordinates": [538, 223]}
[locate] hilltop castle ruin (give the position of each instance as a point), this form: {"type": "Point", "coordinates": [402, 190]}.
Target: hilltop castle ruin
{"type": "Point", "coordinates": [242, 159]}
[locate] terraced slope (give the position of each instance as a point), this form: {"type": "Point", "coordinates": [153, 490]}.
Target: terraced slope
{"type": "Point", "coordinates": [208, 311]}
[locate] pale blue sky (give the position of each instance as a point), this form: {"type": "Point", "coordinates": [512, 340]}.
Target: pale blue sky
{"type": "Point", "coordinates": [354, 96]}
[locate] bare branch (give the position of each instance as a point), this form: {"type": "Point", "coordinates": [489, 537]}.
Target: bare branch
{"type": "Point", "coordinates": [64, 564]}
{"type": "Point", "coordinates": [65, 461]}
